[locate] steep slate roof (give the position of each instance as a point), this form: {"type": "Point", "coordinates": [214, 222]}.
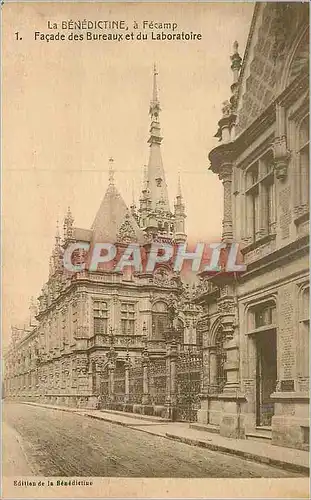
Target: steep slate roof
{"type": "Point", "coordinates": [82, 234]}
{"type": "Point", "coordinates": [112, 216]}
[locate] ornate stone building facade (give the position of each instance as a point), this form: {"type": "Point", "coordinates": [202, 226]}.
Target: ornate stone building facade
{"type": "Point", "coordinates": [256, 324]}
{"type": "Point", "coordinates": [90, 325]}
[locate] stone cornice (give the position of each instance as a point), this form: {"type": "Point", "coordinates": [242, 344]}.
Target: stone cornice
{"type": "Point", "coordinates": [256, 153]}
{"type": "Point", "coordinates": [276, 258]}
{"type": "Point", "coordinates": [256, 128]}
{"type": "Point", "coordinates": [290, 396]}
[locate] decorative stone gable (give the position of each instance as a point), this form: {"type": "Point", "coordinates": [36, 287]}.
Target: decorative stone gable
{"type": "Point", "coordinates": [126, 233]}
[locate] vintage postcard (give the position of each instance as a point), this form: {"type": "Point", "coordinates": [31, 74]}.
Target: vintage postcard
{"type": "Point", "coordinates": [155, 250]}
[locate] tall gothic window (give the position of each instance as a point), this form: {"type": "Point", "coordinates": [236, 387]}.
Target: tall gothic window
{"type": "Point", "coordinates": [260, 199]}
{"type": "Point", "coordinates": [159, 320]}
{"type": "Point", "coordinates": [127, 318]}
{"type": "Point", "coordinates": [304, 333]}
{"type": "Point", "coordinates": [252, 197]}
{"type": "Point", "coordinates": [100, 316]}
{"type": "Point", "coordinates": [220, 361]}
{"type": "Point", "coordinates": [304, 178]}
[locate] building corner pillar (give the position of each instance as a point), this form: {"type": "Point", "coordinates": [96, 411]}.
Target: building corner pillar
{"type": "Point", "coordinates": [225, 175]}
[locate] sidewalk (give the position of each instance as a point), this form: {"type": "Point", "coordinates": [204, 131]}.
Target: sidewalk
{"type": "Point", "coordinates": [14, 461]}
{"type": "Point", "coordinates": [287, 458]}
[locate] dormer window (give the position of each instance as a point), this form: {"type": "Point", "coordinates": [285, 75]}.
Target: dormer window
{"type": "Point", "coordinates": [159, 181]}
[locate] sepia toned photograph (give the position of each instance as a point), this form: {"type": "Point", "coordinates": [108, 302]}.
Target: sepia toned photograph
{"type": "Point", "coordinates": [155, 249]}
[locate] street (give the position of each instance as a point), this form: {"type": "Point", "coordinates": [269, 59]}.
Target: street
{"type": "Point", "coordinates": [56, 443]}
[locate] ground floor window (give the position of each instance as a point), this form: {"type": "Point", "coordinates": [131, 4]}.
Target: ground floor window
{"type": "Point", "coordinates": [160, 321]}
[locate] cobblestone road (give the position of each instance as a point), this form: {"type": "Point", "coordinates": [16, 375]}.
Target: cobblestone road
{"type": "Point", "coordinates": [65, 444]}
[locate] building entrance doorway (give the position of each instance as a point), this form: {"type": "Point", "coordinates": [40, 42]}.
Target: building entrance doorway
{"type": "Point", "coordinates": [266, 376]}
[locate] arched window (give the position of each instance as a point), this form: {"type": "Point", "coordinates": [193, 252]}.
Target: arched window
{"type": "Point", "coordinates": [220, 361]}
{"type": "Point", "coordinates": [159, 320]}
{"type": "Point", "coordinates": [303, 152]}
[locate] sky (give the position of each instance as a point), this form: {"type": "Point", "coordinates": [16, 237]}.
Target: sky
{"type": "Point", "coordinates": [68, 106]}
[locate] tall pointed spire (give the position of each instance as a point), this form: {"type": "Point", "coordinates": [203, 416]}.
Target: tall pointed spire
{"type": "Point", "coordinates": [179, 195]}
{"type": "Point", "coordinates": [154, 111]}
{"type": "Point", "coordinates": [133, 207]}
{"type": "Point", "coordinates": [133, 194]}
{"type": "Point", "coordinates": [155, 171]}
{"type": "Point", "coordinates": [111, 172]}
{"type": "Point", "coordinates": [57, 251]}
{"type": "Point", "coordinates": [57, 235]}
{"type": "Point", "coordinates": [155, 84]}
{"type": "Point", "coordinates": [145, 178]}
{"type": "Point", "coordinates": [68, 225]}
{"type": "Point", "coordinates": [180, 215]}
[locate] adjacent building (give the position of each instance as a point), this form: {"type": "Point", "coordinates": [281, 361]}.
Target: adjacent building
{"type": "Point", "coordinates": [256, 324]}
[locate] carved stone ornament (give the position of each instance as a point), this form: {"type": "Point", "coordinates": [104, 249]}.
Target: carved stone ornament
{"type": "Point", "coordinates": [226, 109]}
{"type": "Point", "coordinates": [161, 277]}
{"type": "Point", "coordinates": [281, 157]}
{"type": "Point", "coordinates": [204, 286]}
{"type": "Point", "coordinates": [126, 232]}
{"type": "Point", "coordinates": [226, 306]}
{"type": "Point", "coordinates": [149, 237]}
{"type": "Point", "coordinates": [82, 366]}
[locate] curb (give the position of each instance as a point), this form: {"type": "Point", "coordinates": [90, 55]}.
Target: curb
{"type": "Point", "coordinates": [81, 412]}
{"type": "Point", "coordinates": [243, 454]}
{"type": "Point", "coordinates": [139, 416]}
